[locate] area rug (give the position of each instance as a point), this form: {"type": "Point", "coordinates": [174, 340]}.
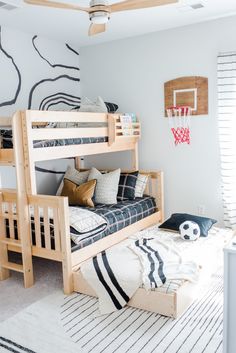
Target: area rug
{"type": "Point", "coordinates": [59, 324]}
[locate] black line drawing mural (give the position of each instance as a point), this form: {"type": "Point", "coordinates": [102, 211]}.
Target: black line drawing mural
{"type": "Point", "coordinates": [48, 80]}
{"type": "Point", "coordinates": [72, 49]}
{"type": "Point", "coordinates": [52, 99]}
{"type": "Point", "coordinates": [16, 94]}
{"type": "Point", "coordinates": [49, 63]}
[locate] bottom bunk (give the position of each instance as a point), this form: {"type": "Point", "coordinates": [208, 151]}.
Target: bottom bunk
{"type": "Point", "coordinates": [49, 226]}
{"type": "Point", "coordinates": [176, 295]}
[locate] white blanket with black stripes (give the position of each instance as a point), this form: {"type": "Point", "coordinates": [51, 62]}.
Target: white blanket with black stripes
{"type": "Point", "coordinates": [116, 274]}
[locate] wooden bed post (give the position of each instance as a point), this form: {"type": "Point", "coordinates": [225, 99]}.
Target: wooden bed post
{"type": "Point", "coordinates": [135, 164]}
{"type": "Point", "coordinates": [160, 194]}
{"type": "Point", "coordinates": [24, 227]}
{"type": "Point", "coordinates": [65, 245]}
{"type": "Point", "coordinates": [30, 174]}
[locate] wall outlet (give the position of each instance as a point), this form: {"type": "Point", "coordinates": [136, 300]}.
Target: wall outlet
{"type": "Point", "coordinates": [201, 210]}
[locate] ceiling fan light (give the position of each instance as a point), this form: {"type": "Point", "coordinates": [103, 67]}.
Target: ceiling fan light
{"type": "Point", "coordinates": [99, 17]}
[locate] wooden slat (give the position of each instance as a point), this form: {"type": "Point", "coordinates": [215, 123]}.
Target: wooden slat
{"type": "Point", "coordinates": [11, 242]}
{"type": "Point", "coordinates": [8, 216]}
{"type": "Point", "coordinates": [11, 222]}
{"type": "Point", "coordinates": [4, 273]}
{"type": "Point", "coordinates": [6, 156]}
{"type": "Point", "coordinates": [5, 122]}
{"type": "Point", "coordinates": [49, 134]}
{"type": "Point", "coordinates": [38, 238]}
{"type": "Point", "coordinates": [49, 153]}
{"type": "Point", "coordinates": [13, 266]}
{"type": "Point", "coordinates": [111, 129]}
{"type": "Point", "coordinates": [57, 237]}
{"type": "Point", "coordinates": [46, 228]}
{"type": "Point", "coordinates": [65, 117]}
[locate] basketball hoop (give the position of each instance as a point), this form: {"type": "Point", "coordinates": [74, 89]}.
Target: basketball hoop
{"type": "Point", "coordinates": [179, 120]}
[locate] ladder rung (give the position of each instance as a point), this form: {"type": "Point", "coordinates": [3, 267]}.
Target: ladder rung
{"type": "Point", "coordinates": [13, 266]}
{"type": "Point", "coordinates": [9, 241]}
{"type": "Point", "coordinates": [8, 216]}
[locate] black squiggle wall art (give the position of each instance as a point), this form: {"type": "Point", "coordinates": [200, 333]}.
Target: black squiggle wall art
{"type": "Point", "coordinates": [16, 94]}
{"type": "Point", "coordinates": [49, 63]}
{"type": "Point", "coordinates": [53, 99]}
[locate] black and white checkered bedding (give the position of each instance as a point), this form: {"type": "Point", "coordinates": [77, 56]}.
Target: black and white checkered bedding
{"type": "Point", "coordinates": [6, 141]}
{"type": "Point", "coordinates": [119, 216]}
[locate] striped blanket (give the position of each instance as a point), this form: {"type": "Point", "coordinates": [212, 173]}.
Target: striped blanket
{"type": "Point", "coordinates": [116, 274]}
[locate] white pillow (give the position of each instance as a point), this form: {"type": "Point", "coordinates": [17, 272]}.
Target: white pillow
{"type": "Point", "coordinates": [88, 106]}
{"type": "Point", "coordinates": [106, 187]}
{"type": "Point", "coordinates": [75, 176]}
{"type": "Point", "coordinates": [140, 185]}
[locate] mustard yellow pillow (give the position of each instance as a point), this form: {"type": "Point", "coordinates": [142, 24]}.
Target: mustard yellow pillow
{"type": "Point", "coordinates": [79, 195]}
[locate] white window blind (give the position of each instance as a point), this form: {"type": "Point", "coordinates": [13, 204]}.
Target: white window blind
{"type": "Point", "coordinates": [226, 69]}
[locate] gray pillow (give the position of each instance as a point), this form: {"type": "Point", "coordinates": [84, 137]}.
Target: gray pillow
{"type": "Point", "coordinates": [140, 185]}
{"type": "Point", "coordinates": [88, 106]}
{"type": "Point", "coordinates": [75, 176]}
{"type": "Point", "coordinates": [106, 187]}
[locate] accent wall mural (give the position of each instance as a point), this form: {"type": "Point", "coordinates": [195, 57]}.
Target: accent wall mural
{"type": "Point", "coordinates": [37, 73]}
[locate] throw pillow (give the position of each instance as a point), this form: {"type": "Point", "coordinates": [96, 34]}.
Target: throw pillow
{"type": "Point", "coordinates": [176, 219]}
{"type": "Point", "coordinates": [111, 107]}
{"type": "Point", "coordinates": [106, 187]}
{"type": "Point", "coordinates": [79, 195]}
{"type": "Point", "coordinates": [88, 106]}
{"type": "Point", "coordinates": [74, 175]}
{"type": "Point", "coordinates": [127, 185]}
{"type": "Point", "coordinates": [141, 185]}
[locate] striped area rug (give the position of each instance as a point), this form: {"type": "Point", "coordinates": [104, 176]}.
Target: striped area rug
{"type": "Point", "coordinates": [198, 330]}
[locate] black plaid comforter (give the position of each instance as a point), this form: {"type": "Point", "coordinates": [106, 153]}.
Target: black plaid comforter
{"type": "Point", "coordinates": [6, 141]}
{"type": "Point", "coordinates": [119, 216]}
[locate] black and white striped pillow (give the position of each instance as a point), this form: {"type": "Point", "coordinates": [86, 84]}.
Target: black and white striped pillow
{"type": "Point", "coordinates": [127, 185]}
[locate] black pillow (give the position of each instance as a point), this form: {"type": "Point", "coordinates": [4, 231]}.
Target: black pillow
{"type": "Point", "coordinates": [111, 107]}
{"type": "Point", "coordinates": [127, 185]}
{"type": "Point", "coordinates": [176, 219]}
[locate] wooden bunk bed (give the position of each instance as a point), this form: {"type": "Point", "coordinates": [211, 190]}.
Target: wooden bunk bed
{"type": "Point", "coordinates": [16, 206]}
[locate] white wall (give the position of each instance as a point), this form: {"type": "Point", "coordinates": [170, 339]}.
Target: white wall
{"type": "Point", "coordinates": [36, 73]}
{"type": "Point", "coordinates": [132, 72]}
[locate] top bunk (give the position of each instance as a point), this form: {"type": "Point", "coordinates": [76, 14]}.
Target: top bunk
{"type": "Point", "coordinates": [47, 135]}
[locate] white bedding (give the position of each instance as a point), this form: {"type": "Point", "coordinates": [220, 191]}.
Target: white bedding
{"type": "Point", "coordinates": [205, 253]}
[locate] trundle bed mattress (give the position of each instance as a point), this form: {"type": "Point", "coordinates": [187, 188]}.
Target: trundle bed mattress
{"type": "Point", "coordinates": [174, 297]}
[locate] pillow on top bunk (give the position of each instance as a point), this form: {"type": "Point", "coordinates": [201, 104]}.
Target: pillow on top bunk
{"type": "Point", "coordinates": [106, 187]}
{"type": "Point", "coordinates": [111, 107]}
{"type": "Point", "coordinates": [88, 106]}
{"type": "Point", "coordinates": [79, 195]}
{"type": "Point", "coordinates": [141, 185]}
{"type": "Point", "coordinates": [127, 183]}
{"type": "Point", "coordinates": [75, 176]}
{"type": "Point", "coordinates": [176, 219]}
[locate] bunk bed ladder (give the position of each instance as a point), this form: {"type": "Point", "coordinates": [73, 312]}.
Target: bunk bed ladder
{"type": "Point", "coordinates": [9, 220]}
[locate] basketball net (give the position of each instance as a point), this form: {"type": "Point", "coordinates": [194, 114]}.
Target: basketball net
{"type": "Point", "coordinates": [179, 121]}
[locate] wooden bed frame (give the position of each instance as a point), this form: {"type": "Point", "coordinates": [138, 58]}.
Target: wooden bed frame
{"type": "Point", "coordinates": [15, 205]}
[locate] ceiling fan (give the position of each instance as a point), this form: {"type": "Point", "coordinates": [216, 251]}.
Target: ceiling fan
{"type": "Point", "coordinates": [99, 11]}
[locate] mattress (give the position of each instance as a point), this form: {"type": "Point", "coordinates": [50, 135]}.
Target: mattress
{"type": "Point", "coordinates": [6, 141]}
{"type": "Point", "coordinates": [207, 252]}
{"type": "Point", "coordinates": [119, 216]}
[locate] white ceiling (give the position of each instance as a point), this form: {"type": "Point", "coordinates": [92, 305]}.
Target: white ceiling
{"type": "Point", "coordinates": [72, 26]}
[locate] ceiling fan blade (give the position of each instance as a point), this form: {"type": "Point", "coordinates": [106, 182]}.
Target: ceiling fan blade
{"type": "Point", "coordinates": [58, 5]}
{"type": "Point", "coordinates": [139, 4]}
{"type": "Point", "coordinates": [96, 28]}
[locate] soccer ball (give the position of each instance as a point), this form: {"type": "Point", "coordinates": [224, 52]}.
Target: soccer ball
{"type": "Point", "coordinates": [189, 230]}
